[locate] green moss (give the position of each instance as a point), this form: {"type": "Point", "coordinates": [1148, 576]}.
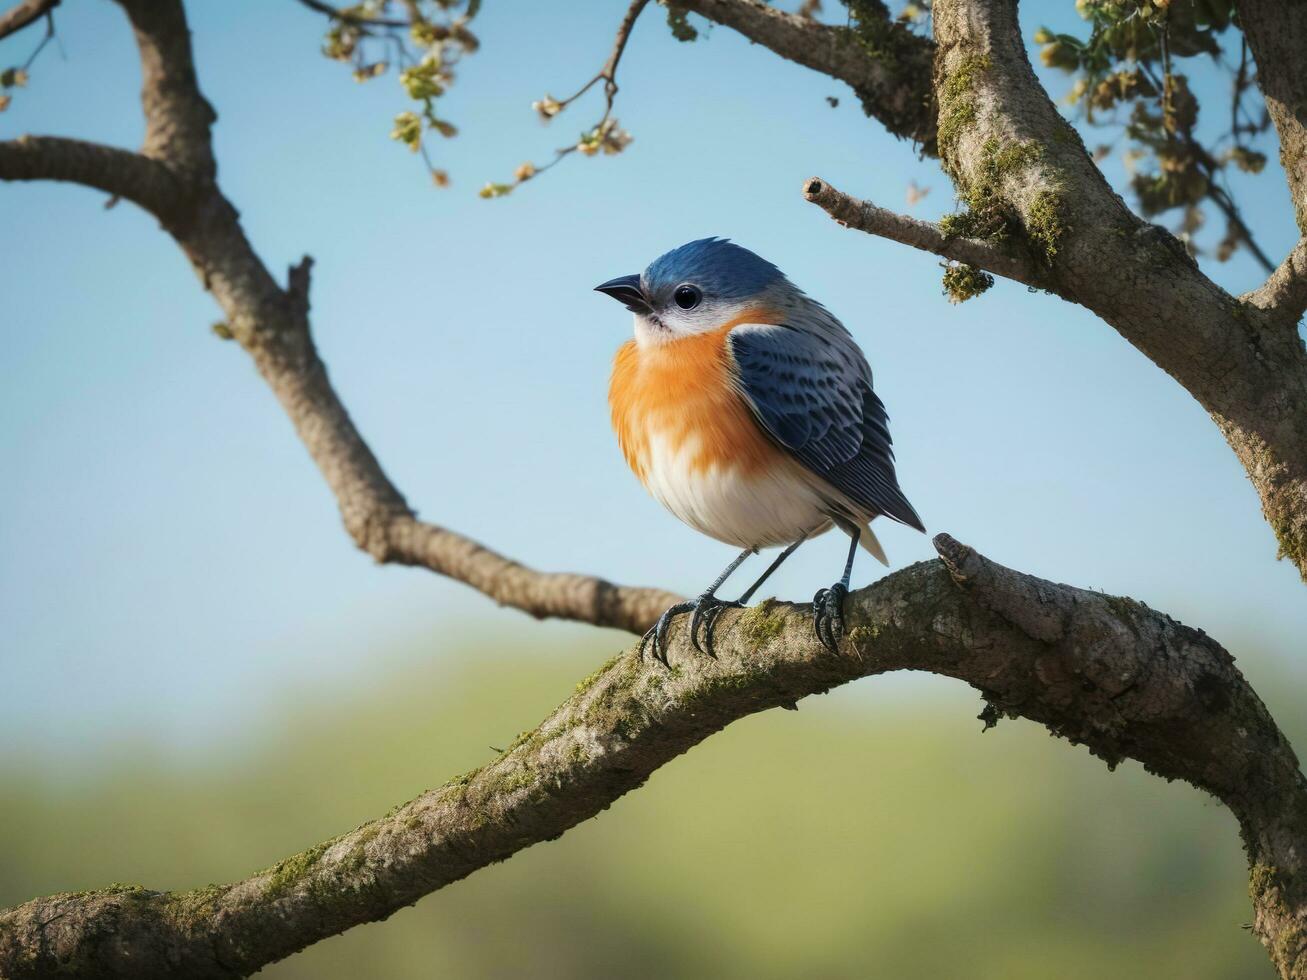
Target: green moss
{"type": "Point", "coordinates": [860, 635]}
{"type": "Point", "coordinates": [988, 216]}
{"type": "Point", "coordinates": [963, 224]}
{"type": "Point", "coordinates": [762, 624]}
{"type": "Point", "coordinates": [519, 778]}
{"type": "Point", "coordinates": [1007, 159]}
{"type": "Point", "coordinates": [1044, 225]}
{"type": "Point", "coordinates": [119, 888]}
{"type": "Point", "coordinates": [959, 83]}
{"type": "Point", "coordinates": [1261, 879]}
{"type": "Point", "coordinates": [1291, 543]}
{"type": "Point", "coordinates": [576, 753]}
{"type": "Point", "coordinates": [951, 125]}
{"type": "Point", "coordinates": [963, 282]}
{"type": "Point", "coordinates": [527, 738]}
{"type": "Point", "coordinates": [1124, 607]}
{"type": "Point", "coordinates": [197, 906]}
{"type": "Point", "coordinates": [957, 107]}
{"type": "Point", "coordinates": [875, 33]}
{"type": "Point", "coordinates": [588, 682]}
{"type": "Point", "coordinates": [287, 874]}
{"type": "Point", "coordinates": [1289, 943]}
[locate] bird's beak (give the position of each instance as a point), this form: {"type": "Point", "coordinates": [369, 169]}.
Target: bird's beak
{"type": "Point", "coordinates": [626, 290]}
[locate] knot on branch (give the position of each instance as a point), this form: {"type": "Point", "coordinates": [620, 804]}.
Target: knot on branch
{"type": "Point", "coordinates": [297, 287]}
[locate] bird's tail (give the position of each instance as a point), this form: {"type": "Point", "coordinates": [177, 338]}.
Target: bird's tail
{"type": "Point", "coordinates": [867, 538]}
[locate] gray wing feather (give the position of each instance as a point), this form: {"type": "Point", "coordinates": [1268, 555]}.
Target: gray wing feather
{"type": "Point", "coordinates": [810, 389]}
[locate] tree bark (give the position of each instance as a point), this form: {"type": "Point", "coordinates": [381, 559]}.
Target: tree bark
{"type": "Point", "coordinates": [1277, 35]}
{"type": "Point", "coordinates": [1104, 672]}
{"type": "Point", "coordinates": [1101, 671]}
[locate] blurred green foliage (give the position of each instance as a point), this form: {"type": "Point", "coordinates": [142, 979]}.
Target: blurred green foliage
{"type": "Point", "coordinates": [872, 833]}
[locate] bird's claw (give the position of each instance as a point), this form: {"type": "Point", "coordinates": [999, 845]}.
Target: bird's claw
{"type": "Point", "coordinates": [657, 633]}
{"type": "Point", "coordinates": [706, 610]}
{"type": "Point", "coordinates": [828, 615]}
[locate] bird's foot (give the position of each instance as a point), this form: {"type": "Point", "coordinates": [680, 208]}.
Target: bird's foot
{"type": "Point", "coordinates": [706, 610]}
{"type": "Point", "coordinates": [828, 615]}
{"type": "Point", "coordinates": [657, 633]}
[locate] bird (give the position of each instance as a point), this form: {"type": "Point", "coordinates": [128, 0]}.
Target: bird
{"type": "Point", "coordinates": [747, 410]}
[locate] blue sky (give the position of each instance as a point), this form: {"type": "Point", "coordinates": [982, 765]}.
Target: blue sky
{"type": "Point", "coordinates": [170, 561]}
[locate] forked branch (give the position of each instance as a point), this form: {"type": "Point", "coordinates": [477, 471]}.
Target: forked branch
{"type": "Point", "coordinates": [1285, 291]}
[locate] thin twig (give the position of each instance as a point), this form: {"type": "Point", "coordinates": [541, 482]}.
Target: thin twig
{"type": "Point", "coordinates": [354, 20]}
{"type": "Point", "coordinates": [46, 39]}
{"type": "Point", "coordinates": [608, 75]}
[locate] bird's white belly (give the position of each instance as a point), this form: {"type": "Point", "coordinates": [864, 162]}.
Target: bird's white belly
{"type": "Point", "coordinates": [773, 506]}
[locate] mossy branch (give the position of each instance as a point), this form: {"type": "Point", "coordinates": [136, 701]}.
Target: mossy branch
{"type": "Point", "coordinates": [1101, 671]}
{"type": "Point", "coordinates": [866, 216]}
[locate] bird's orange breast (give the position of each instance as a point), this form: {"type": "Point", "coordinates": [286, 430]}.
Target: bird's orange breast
{"type": "Point", "coordinates": [682, 392]}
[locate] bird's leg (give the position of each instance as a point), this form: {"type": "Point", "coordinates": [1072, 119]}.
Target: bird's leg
{"type": "Point", "coordinates": [828, 605]}
{"type": "Point", "coordinates": [658, 632]}
{"type": "Point", "coordinates": [744, 599]}
{"type": "Point", "coordinates": [710, 615]}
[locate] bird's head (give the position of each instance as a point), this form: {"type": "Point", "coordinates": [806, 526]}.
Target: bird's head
{"type": "Point", "coordinates": [695, 289]}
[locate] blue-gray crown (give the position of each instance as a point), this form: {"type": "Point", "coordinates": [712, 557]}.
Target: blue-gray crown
{"type": "Point", "coordinates": [717, 266]}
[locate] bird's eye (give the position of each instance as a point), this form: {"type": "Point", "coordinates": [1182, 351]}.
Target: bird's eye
{"type": "Point", "coordinates": [687, 297]}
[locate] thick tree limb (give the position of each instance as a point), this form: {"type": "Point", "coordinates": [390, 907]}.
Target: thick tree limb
{"type": "Point", "coordinates": [1019, 166]}
{"type": "Point", "coordinates": [1105, 672]}
{"type": "Point", "coordinates": [865, 216]}
{"type": "Point", "coordinates": [177, 116]}
{"type": "Point", "coordinates": [1284, 293]}
{"type": "Point", "coordinates": [1277, 35]}
{"type": "Point", "coordinates": [122, 173]}
{"type": "Point", "coordinates": [20, 15]}
{"type": "Point", "coordinates": [886, 65]}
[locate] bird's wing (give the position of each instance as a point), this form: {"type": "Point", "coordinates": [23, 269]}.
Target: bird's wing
{"type": "Point", "coordinates": [810, 389]}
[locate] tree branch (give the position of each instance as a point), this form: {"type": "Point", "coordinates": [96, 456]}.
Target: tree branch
{"type": "Point", "coordinates": [1285, 291]}
{"type": "Point", "coordinates": [122, 173]}
{"type": "Point", "coordinates": [348, 17]}
{"type": "Point", "coordinates": [20, 15]}
{"type": "Point", "coordinates": [177, 117]}
{"type": "Point", "coordinates": [887, 66]}
{"type": "Point", "coordinates": [866, 216]}
{"type": "Point", "coordinates": [275, 331]}
{"type": "Point", "coordinates": [1105, 672]}
{"type": "Point", "coordinates": [1016, 162]}
{"type": "Point", "coordinates": [272, 324]}
{"type": "Point", "coordinates": [1277, 34]}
